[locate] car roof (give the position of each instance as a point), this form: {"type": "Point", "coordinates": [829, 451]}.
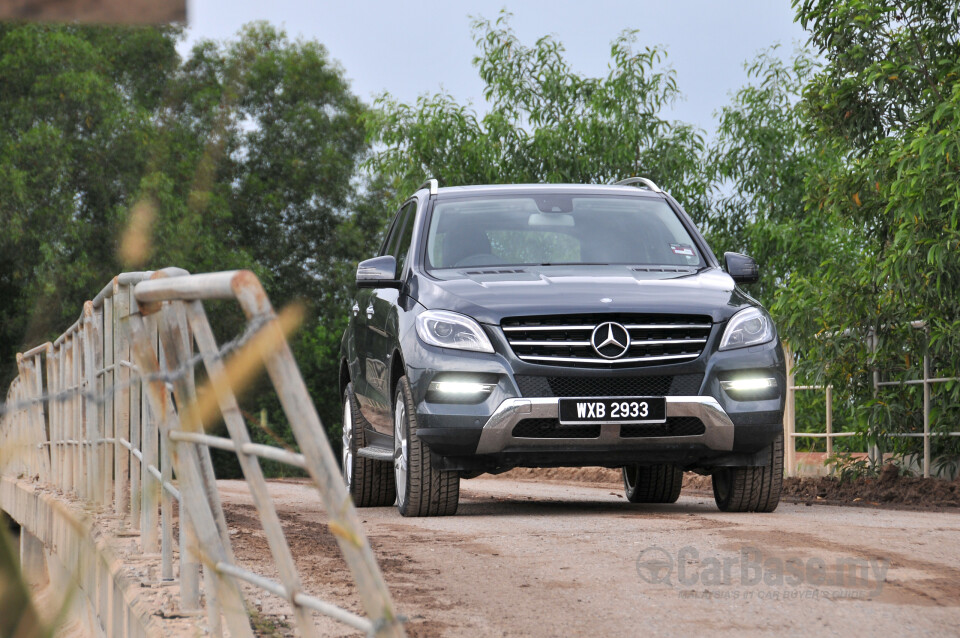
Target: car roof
{"type": "Point", "coordinates": [506, 189]}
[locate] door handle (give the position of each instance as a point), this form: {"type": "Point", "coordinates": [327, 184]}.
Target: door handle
{"type": "Point", "coordinates": [356, 308]}
{"type": "Point", "coordinates": [370, 311]}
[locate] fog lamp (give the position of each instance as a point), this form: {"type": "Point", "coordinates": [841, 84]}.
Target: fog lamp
{"type": "Point", "coordinates": [461, 387]}
{"type": "Point", "coordinates": [749, 384]}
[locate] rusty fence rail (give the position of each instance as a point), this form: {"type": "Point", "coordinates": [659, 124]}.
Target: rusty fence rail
{"type": "Point", "coordinates": [927, 379]}
{"type": "Point", "coordinates": [110, 413]}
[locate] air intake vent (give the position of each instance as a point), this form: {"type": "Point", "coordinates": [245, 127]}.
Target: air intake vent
{"type": "Point", "coordinates": [609, 386]}
{"type": "Point", "coordinates": [680, 269]}
{"type": "Point", "coordinates": [675, 426]}
{"type": "Point", "coordinates": [608, 341]}
{"type": "Point", "coordinates": [552, 429]}
{"type": "Point", "coordinates": [499, 271]}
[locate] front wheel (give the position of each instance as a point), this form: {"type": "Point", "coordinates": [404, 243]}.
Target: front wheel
{"type": "Point", "coordinates": [652, 483]}
{"type": "Point", "coordinates": [369, 482]}
{"type": "Point", "coordinates": [422, 490]}
{"type": "Point", "coordinates": [751, 489]}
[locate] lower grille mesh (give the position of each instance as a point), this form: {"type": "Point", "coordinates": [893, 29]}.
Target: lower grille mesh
{"type": "Point", "coordinates": [551, 429]}
{"type": "Point", "coordinates": [649, 386]}
{"type": "Point", "coordinates": [675, 426]}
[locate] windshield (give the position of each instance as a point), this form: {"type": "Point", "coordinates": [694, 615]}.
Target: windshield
{"type": "Point", "coordinates": [557, 229]}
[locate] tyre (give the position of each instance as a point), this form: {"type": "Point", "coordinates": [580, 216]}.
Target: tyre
{"type": "Point", "coordinates": [422, 490]}
{"type": "Point", "coordinates": [369, 482]}
{"type": "Point", "coordinates": [751, 489]}
{"type": "Point", "coordinates": [652, 483]}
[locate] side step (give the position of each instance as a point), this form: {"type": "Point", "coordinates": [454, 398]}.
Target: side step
{"type": "Point", "coordinates": [376, 452]}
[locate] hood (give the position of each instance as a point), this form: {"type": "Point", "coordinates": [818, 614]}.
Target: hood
{"type": "Point", "coordinates": [491, 294]}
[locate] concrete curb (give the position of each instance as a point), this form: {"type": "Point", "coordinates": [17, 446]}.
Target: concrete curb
{"type": "Point", "coordinates": [85, 548]}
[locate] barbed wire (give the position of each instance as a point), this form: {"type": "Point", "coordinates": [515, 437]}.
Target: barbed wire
{"type": "Point", "coordinates": [101, 397]}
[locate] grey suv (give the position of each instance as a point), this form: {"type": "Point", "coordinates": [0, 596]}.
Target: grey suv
{"type": "Point", "coordinates": [557, 325]}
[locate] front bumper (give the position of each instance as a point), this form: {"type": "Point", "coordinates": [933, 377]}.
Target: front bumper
{"type": "Point", "coordinates": [497, 435]}
{"type": "Point", "coordinates": [492, 446]}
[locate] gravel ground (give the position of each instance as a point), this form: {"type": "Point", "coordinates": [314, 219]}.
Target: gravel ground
{"type": "Point", "coordinates": [533, 558]}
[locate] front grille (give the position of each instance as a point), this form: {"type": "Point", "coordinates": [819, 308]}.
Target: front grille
{"type": "Point", "coordinates": [551, 429]}
{"type": "Point", "coordinates": [653, 386]}
{"type": "Point", "coordinates": [675, 426]}
{"type": "Point", "coordinates": [565, 340]}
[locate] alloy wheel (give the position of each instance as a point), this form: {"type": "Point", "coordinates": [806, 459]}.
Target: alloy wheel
{"type": "Point", "coordinates": [347, 443]}
{"type": "Point", "coordinates": [400, 452]}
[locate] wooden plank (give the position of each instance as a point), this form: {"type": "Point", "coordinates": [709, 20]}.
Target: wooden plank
{"type": "Point", "coordinates": [149, 519]}
{"type": "Point", "coordinates": [187, 466]}
{"type": "Point", "coordinates": [105, 320]}
{"type": "Point", "coordinates": [322, 464]}
{"type": "Point", "coordinates": [250, 466]}
{"type": "Point", "coordinates": [121, 398]}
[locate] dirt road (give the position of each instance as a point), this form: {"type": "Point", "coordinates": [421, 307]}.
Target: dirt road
{"type": "Point", "coordinates": [524, 558]}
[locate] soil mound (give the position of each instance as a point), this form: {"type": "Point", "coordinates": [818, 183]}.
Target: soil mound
{"type": "Point", "coordinates": [889, 489]}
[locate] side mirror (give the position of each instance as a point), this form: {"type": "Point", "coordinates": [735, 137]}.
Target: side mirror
{"type": "Point", "coordinates": [379, 272]}
{"type": "Point", "coordinates": [743, 269]}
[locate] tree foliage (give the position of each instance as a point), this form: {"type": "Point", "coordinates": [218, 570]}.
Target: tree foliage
{"type": "Point", "coordinates": [242, 155]}
{"type": "Point", "coordinates": [76, 109]}
{"type": "Point", "coordinates": [545, 122]}
{"type": "Point", "coordinates": [758, 163]}
{"type": "Point", "coordinates": [886, 109]}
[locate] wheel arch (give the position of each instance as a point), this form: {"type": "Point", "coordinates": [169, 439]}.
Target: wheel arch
{"type": "Point", "coordinates": [344, 376]}
{"type": "Point", "coordinates": [398, 368]}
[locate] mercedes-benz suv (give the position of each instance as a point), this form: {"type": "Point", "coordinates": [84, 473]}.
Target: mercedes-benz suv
{"type": "Point", "coordinates": [557, 325]}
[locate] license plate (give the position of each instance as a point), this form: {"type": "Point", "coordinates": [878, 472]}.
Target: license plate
{"type": "Point", "coordinates": [613, 410]}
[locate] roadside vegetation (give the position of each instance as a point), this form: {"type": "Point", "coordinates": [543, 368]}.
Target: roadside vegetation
{"type": "Point", "coordinates": [837, 166]}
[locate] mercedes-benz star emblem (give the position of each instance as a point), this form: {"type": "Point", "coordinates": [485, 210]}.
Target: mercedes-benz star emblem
{"type": "Point", "coordinates": [610, 340]}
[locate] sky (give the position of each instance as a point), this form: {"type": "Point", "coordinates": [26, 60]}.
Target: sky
{"type": "Point", "coordinates": [423, 46]}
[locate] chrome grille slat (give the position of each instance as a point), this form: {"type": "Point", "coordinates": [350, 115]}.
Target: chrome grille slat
{"type": "Point", "coordinates": [653, 339]}
{"type": "Point", "coordinates": [550, 343]}
{"type": "Point", "coordinates": [608, 361]}
{"type": "Point", "coordinates": [557, 328]}
{"type": "Point", "coordinates": [647, 326]}
{"type": "Point", "coordinates": [662, 342]}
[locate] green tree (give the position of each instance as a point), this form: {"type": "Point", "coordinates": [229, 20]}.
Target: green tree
{"type": "Point", "coordinates": [759, 161]}
{"type": "Point", "coordinates": [285, 140]}
{"type": "Point", "coordinates": [545, 123]}
{"type": "Point", "coordinates": [242, 155]}
{"type": "Point", "coordinates": [886, 107]}
{"type": "Point", "coordinates": [76, 108]}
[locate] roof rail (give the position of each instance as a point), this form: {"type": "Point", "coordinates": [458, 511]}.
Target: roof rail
{"type": "Point", "coordinates": [639, 180]}
{"type": "Point", "coordinates": [432, 184]}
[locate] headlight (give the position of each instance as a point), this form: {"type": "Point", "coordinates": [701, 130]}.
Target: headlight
{"type": "Point", "coordinates": [452, 330]}
{"type": "Point", "coordinates": [749, 327]}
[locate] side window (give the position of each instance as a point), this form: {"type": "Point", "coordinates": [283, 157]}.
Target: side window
{"type": "Point", "coordinates": [405, 235]}
{"type": "Point", "coordinates": [390, 242]}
